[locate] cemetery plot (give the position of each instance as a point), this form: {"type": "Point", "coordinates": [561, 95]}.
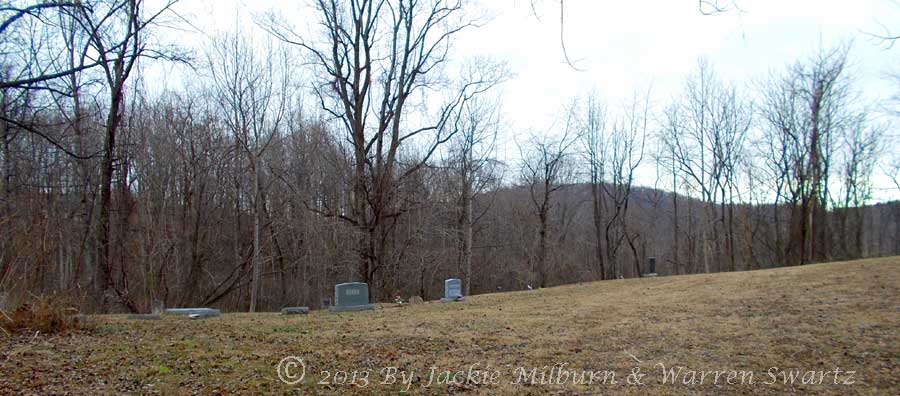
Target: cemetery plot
{"type": "Point", "coordinates": [805, 319]}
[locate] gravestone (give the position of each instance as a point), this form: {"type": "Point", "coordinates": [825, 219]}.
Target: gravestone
{"type": "Point", "coordinates": [652, 267]}
{"type": "Point", "coordinates": [416, 300]}
{"type": "Point", "coordinates": [294, 310]}
{"type": "Point", "coordinates": [326, 302]}
{"type": "Point", "coordinates": [157, 307]}
{"type": "Point", "coordinates": [194, 313]}
{"type": "Point", "coordinates": [452, 290]}
{"type": "Point", "coordinates": [353, 296]}
{"type": "Point", "coordinates": [204, 315]}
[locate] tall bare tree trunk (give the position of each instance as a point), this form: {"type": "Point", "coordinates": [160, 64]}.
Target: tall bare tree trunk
{"type": "Point", "coordinates": [103, 278]}
{"type": "Point", "coordinates": [597, 209]}
{"type": "Point", "coordinates": [692, 239]}
{"type": "Point", "coordinates": [257, 264]}
{"type": "Point", "coordinates": [542, 246]}
{"type": "Point", "coordinates": [675, 260]}
{"type": "Point", "coordinates": [86, 200]}
{"type": "Point", "coordinates": [466, 228]}
{"type": "Point", "coordinates": [5, 139]}
{"type": "Point", "coordinates": [731, 244]}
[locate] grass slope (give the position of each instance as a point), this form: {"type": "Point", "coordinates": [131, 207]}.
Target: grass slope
{"type": "Point", "coordinates": [815, 318]}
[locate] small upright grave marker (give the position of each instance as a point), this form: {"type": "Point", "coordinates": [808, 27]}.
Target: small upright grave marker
{"type": "Point", "coordinates": [652, 267]}
{"type": "Point", "coordinates": [452, 290]}
{"type": "Point", "coordinates": [353, 296]}
{"type": "Point", "coordinates": [157, 307]}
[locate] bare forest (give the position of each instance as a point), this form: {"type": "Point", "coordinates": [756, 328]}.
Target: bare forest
{"type": "Point", "coordinates": [368, 152]}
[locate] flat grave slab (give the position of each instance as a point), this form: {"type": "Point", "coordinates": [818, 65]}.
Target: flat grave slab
{"type": "Point", "coordinates": [194, 313]}
{"type": "Point", "coordinates": [294, 310]}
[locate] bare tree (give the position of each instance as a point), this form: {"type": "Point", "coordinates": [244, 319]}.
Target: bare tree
{"type": "Point", "coordinates": [613, 152]}
{"type": "Point", "coordinates": [546, 169]}
{"type": "Point", "coordinates": [375, 56]}
{"type": "Point", "coordinates": [33, 24]}
{"type": "Point", "coordinates": [706, 131]}
{"type": "Point", "coordinates": [891, 167]}
{"type": "Point", "coordinates": [117, 29]}
{"type": "Point", "coordinates": [473, 159]}
{"type": "Point", "coordinates": [42, 46]}
{"type": "Point", "coordinates": [804, 109]}
{"type": "Point", "coordinates": [628, 139]}
{"type": "Point", "coordinates": [859, 156]}
{"type": "Point", "coordinates": [252, 91]}
{"type": "Point", "coordinates": [594, 141]}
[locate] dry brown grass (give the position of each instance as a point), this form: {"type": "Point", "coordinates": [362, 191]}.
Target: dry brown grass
{"type": "Point", "coordinates": [813, 318]}
{"type": "Point", "coordinates": [43, 314]}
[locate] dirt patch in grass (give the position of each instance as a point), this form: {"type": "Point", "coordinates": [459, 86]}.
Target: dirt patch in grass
{"type": "Point", "coordinates": [782, 331]}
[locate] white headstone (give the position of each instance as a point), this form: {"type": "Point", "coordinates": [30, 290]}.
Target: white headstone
{"type": "Point", "coordinates": [453, 290]}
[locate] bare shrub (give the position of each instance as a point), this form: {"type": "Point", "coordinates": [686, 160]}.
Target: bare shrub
{"type": "Point", "coordinates": [45, 314]}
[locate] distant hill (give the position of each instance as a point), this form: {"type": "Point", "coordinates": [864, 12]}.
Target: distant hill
{"type": "Point", "coordinates": [739, 237]}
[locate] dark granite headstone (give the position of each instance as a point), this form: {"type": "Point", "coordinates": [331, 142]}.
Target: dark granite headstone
{"type": "Point", "coordinates": [353, 296]}
{"type": "Point", "coordinates": [651, 264]}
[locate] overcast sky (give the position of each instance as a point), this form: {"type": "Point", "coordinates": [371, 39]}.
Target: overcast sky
{"type": "Point", "coordinates": [624, 46]}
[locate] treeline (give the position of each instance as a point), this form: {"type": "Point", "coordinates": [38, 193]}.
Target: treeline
{"type": "Point", "coordinates": [238, 191]}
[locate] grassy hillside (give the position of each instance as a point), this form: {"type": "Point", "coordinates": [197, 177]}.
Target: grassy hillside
{"type": "Point", "coordinates": [783, 327]}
